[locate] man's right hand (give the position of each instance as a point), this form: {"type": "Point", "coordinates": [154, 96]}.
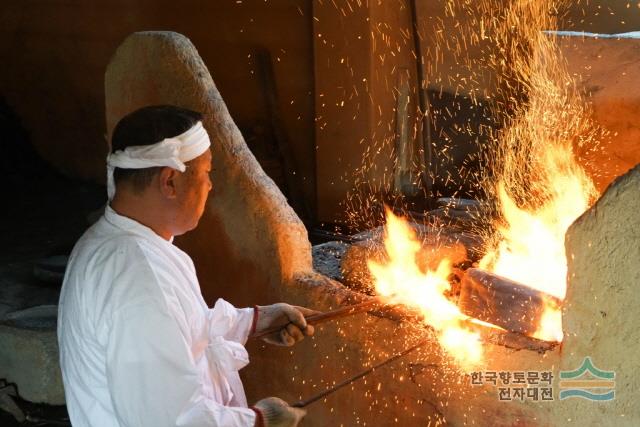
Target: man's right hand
{"type": "Point", "coordinates": [290, 318]}
{"type": "Point", "coordinates": [277, 413]}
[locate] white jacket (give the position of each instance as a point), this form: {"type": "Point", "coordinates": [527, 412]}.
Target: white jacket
{"type": "Point", "coordinates": [138, 344]}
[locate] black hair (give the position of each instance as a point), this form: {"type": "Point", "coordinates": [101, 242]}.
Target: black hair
{"type": "Point", "coordinates": [147, 126]}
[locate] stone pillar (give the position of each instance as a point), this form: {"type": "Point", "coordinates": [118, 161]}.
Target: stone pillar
{"type": "Point", "coordinates": [602, 308]}
{"type": "Point", "coordinates": [249, 241]}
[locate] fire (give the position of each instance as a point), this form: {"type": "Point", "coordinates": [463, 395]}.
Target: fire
{"type": "Point", "coordinates": [550, 327]}
{"type": "Point", "coordinates": [530, 246]}
{"type": "Point", "coordinates": [400, 279]}
{"type": "Point", "coordinates": [531, 241]}
{"type": "Point", "coordinates": [541, 188]}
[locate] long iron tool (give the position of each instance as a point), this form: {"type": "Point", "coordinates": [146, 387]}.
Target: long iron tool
{"type": "Point", "coordinates": [325, 317]}
{"type": "Point", "coordinates": [331, 390]}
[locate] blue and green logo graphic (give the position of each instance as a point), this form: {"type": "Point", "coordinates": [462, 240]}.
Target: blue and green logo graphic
{"type": "Point", "coordinates": [588, 382]}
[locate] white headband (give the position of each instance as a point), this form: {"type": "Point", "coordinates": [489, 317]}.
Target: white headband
{"type": "Point", "coordinates": [172, 152]}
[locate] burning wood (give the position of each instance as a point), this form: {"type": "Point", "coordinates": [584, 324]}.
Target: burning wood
{"type": "Point", "coordinates": [504, 302]}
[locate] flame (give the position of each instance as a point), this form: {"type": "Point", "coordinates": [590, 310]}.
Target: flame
{"type": "Point", "coordinates": [541, 188]}
{"type": "Point", "coordinates": [550, 327]}
{"type": "Point", "coordinates": [509, 65]}
{"type": "Point", "coordinates": [400, 279]}
{"type": "Point", "coordinates": [531, 242]}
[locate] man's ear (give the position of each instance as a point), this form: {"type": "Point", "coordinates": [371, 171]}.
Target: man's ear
{"type": "Point", "coordinates": [167, 182]}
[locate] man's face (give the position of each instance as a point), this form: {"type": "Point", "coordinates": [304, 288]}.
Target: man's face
{"type": "Point", "coordinates": [193, 187]}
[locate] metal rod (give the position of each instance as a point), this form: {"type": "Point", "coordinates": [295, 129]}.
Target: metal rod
{"type": "Point", "coordinates": [324, 317]}
{"type": "Point", "coordinates": [304, 403]}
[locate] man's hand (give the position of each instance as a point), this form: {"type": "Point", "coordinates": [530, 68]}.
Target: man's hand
{"type": "Point", "coordinates": [292, 320]}
{"type": "Point", "coordinates": [277, 413]}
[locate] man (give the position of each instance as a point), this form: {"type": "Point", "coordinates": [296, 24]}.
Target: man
{"type": "Point", "coordinates": [138, 344]}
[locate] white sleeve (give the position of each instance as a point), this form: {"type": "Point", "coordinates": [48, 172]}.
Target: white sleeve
{"type": "Point", "coordinates": [152, 377]}
{"type": "Point", "coordinates": [234, 324]}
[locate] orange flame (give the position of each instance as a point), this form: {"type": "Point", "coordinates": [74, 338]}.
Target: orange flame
{"type": "Point", "coordinates": [541, 188]}
{"type": "Point", "coordinates": [403, 282]}
{"type": "Point", "coordinates": [550, 327]}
